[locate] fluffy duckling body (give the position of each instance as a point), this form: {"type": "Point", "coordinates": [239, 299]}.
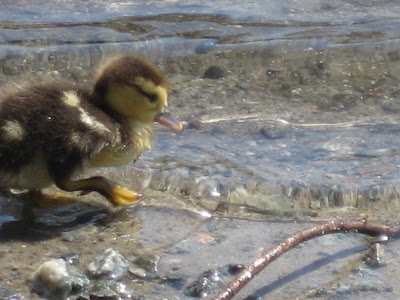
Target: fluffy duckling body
{"type": "Point", "coordinates": [51, 131]}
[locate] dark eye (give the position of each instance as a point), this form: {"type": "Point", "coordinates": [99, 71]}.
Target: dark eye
{"type": "Point", "coordinates": [152, 97]}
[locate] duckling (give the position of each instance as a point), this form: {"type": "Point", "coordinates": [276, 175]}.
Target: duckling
{"type": "Point", "coordinates": [52, 131]}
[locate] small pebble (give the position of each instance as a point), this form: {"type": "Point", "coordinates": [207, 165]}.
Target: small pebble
{"type": "Point", "coordinates": [215, 72]}
{"type": "Point", "coordinates": [375, 257]}
{"type": "Point", "coordinates": [110, 290]}
{"type": "Point", "coordinates": [177, 282]}
{"type": "Point", "coordinates": [137, 272]}
{"type": "Point", "coordinates": [202, 286]}
{"type": "Point", "coordinates": [272, 132]}
{"type": "Point", "coordinates": [104, 294]}
{"type": "Point", "coordinates": [15, 297]}
{"type": "Point", "coordinates": [235, 269]}
{"type": "Point", "coordinates": [79, 281]}
{"type": "Point", "coordinates": [52, 279]}
{"type": "Point", "coordinates": [195, 124]}
{"type": "Point", "coordinates": [148, 262]}
{"type": "Point", "coordinates": [111, 264]}
{"type": "Point", "coordinates": [7, 295]}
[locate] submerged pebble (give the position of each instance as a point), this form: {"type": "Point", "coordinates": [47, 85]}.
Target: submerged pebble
{"type": "Point", "coordinates": [175, 281]}
{"type": "Point", "coordinates": [110, 290]}
{"type": "Point", "coordinates": [215, 72]}
{"type": "Point", "coordinates": [7, 295]}
{"type": "Point", "coordinates": [111, 265]}
{"type": "Point", "coordinates": [79, 281]}
{"type": "Point", "coordinates": [52, 279]}
{"type": "Point", "coordinates": [203, 285]}
{"type": "Point", "coordinates": [273, 132]}
{"type": "Point", "coordinates": [195, 124]}
{"type": "Point", "coordinates": [137, 272]}
{"type": "Point", "coordinates": [375, 257]}
{"type": "Point", "coordinates": [56, 279]}
{"type": "Point", "coordinates": [15, 297]}
{"type": "Point", "coordinates": [148, 262]}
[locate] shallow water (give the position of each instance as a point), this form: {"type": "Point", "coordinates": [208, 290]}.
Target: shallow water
{"type": "Point", "coordinates": [301, 123]}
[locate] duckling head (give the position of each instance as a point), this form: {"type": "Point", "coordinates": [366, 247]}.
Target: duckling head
{"type": "Point", "coordinates": [134, 88]}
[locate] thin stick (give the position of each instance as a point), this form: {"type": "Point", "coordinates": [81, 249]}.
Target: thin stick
{"type": "Point", "coordinates": [268, 256]}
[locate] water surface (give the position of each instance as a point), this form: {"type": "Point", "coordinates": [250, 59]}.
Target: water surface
{"type": "Point", "coordinates": [301, 124]}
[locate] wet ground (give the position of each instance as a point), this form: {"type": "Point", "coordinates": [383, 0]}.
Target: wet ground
{"type": "Point", "coordinates": [291, 118]}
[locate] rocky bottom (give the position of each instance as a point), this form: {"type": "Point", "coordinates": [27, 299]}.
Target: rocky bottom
{"type": "Point", "coordinates": [166, 247]}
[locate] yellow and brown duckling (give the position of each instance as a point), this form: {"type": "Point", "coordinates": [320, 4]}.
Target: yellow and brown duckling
{"type": "Point", "coordinates": [50, 132]}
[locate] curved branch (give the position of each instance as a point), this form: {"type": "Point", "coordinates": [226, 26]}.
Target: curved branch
{"type": "Point", "coordinates": [268, 256]}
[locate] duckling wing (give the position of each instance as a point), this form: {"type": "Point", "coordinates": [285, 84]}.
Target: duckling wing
{"type": "Point", "coordinates": [52, 126]}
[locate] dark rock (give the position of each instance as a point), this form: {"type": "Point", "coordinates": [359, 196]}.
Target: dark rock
{"type": "Point", "coordinates": [273, 132]}
{"type": "Point", "coordinates": [194, 124]}
{"type": "Point", "coordinates": [235, 269]}
{"type": "Point", "coordinates": [215, 72]}
{"type": "Point", "coordinates": [216, 130]}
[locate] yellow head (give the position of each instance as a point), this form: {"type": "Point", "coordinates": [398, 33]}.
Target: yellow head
{"type": "Point", "coordinates": [135, 89]}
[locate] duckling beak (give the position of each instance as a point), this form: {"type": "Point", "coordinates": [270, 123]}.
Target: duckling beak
{"type": "Point", "coordinates": [167, 119]}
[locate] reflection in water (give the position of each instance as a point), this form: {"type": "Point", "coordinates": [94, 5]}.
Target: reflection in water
{"type": "Point", "coordinates": [25, 221]}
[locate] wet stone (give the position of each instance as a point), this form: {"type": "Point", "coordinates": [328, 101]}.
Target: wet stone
{"type": "Point", "coordinates": [71, 258]}
{"type": "Point", "coordinates": [204, 187]}
{"type": "Point", "coordinates": [56, 279]}
{"type": "Point", "coordinates": [216, 131]}
{"type": "Point", "coordinates": [137, 272]}
{"type": "Point", "coordinates": [52, 279]}
{"type": "Point", "coordinates": [177, 282]}
{"type": "Point", "coordinates": [273, 132]}
{"type": "Point", "coordinates": [109, 290]}
{"type": "Point", "coordinates": [6, 294]}
{"type": "Point", "coordinates": [79, 281]}
{"type": "Point", "coordinates": [241, 85]}
{"type": "Point", "coordinates": [15, 297]}
{"type": "Point", "coordinates": [215, 72]}
{"type": "Point", "coordinates": [235, 269]}
{"type": "Point", "coordinates": [148, 262]}
{"type": "Point", "coordinates": [195, 124]}
{"type": "Point", "coordinates": [111, 264]}
{"type": "Point", "coordinates": [104, 294]}
{"type": "Point", "coordinates": [204, 284]}
{"type": "Point", "coordinates": [375, 257]}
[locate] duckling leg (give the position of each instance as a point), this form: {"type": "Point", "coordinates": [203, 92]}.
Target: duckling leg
{"type": "Point", "coordinates": [116, 194]}
{"type": "Point", "coordinates": [51, 201]}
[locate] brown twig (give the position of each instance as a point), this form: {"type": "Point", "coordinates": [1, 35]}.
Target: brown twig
{"type": "Point", "coordinates": [268, 256]}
